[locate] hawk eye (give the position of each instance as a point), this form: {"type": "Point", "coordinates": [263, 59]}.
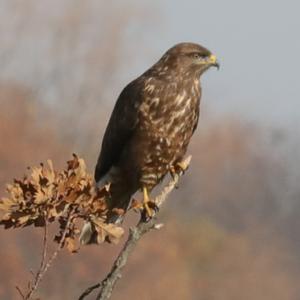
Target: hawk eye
{"type": "Point", "coordinates": [197, 56]}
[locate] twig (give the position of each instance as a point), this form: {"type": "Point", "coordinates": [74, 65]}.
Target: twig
{"type": "Point", "coordinates": [38, 276]}
{"type": "Point", "coordinates": [33, 286]}
{"type": "Point", "coordinates": [89, 290]}
{"type": "Point", "coordinates": [59, 247]}
{"type": "Point", "coordinates": [44, 265]}
{"type": "Point", "coordinates": [135, 234]}
{"type": "Point", "coordinates": [20, 292]}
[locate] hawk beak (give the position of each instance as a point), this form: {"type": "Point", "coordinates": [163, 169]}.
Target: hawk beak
{"type": "Point", "coordinates": [213, 61]}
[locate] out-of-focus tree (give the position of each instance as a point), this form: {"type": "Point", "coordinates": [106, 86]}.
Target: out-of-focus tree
{"type": "Point", "coordinates": [24, 138]}
{"type": "Point", "coordinates": [238, 175]}
{"type": "Point", "coordinates": [71, 55]}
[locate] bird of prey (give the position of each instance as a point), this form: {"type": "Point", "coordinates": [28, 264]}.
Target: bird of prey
{"type": "Point", "coordinates": [151, 125]}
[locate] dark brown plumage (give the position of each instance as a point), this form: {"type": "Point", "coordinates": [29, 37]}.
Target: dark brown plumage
{"type": "Point", "coordinates": [152, 123]}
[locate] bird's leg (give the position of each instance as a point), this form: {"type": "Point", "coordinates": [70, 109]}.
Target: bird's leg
{"type": "Point", "coordinates": [149, 206]}
{"type": "Point", "coordinates": [146, 201]}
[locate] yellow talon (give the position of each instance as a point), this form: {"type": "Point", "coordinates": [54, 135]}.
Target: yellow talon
{"type": "Point", "coordinates": [146, 200]}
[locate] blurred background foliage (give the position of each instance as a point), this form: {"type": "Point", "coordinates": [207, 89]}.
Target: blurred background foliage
{"type": "Point", "coordinates": [231, 229]}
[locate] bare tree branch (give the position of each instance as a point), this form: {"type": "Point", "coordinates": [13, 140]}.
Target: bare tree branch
{"type": "Point", "coordinates": [44, 265]}
{"type": "Point", "coordinates": [33, 286]}
{"type": "Point", "coordinates": [20, 292]}
{"type": "Point", "coordinates": [135, 234]}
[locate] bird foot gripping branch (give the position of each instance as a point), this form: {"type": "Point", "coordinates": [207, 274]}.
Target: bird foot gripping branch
{"type": "Point", "coordinates": [147, 207]}
{"type": "Point", "coordinates": [154, 204]}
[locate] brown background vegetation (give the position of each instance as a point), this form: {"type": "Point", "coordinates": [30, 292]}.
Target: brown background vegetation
{"type": "Point", "coordinates": [231, 229]}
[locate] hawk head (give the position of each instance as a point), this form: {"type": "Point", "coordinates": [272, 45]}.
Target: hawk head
{"type": "Point", "coordinates": [189, 58]}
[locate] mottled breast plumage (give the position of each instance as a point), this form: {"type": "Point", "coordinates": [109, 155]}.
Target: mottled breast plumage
{"type": "Point", "coordinates": [167, 122]}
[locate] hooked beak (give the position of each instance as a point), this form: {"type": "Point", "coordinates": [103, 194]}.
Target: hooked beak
{"type": "Point", "coordinates": [212, 60]}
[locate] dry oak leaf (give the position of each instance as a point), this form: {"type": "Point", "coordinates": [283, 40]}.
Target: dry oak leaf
{"type": "Point", "coordinates": [111, 231]}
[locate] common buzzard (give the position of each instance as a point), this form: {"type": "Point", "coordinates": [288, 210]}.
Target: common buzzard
{"type": "Point", "coordinates": [151, 125]}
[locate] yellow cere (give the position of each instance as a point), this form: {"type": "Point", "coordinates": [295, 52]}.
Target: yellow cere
{"type": "Point", "coordinates": [213, 58]}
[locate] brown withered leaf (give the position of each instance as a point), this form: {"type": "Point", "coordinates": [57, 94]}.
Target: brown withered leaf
{"type": "Point", "coordinates": [135, 204]}
{"type": "Point", "coordinates": [15, 191]}
{"type": "Point", "coordinates": [73, 163]}
{"type": "Point", "coordinates": [5, 204]}
{"type": "Point", "coordinates": [39, 221]}
{"type": "Point", "coordinates": [118, 211]}
{"type": "Point", "coordinates": [6, 221]}
{"type": "Point", "coordinates": [49, 173]}
{"type": "Point", "coordinates": [23, 220]}
{"type": "Point", "coordinates": [71, 245]}
{"type": "Point", "coordinates": [46, 195]}
{"type": "Point", "coordinates": [110, 231]}
{"type": "Point", "coordinates": [39, 197]}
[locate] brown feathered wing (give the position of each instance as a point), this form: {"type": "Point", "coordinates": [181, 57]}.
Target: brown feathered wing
{"type": "Point", "coordinates": [120, 129]}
